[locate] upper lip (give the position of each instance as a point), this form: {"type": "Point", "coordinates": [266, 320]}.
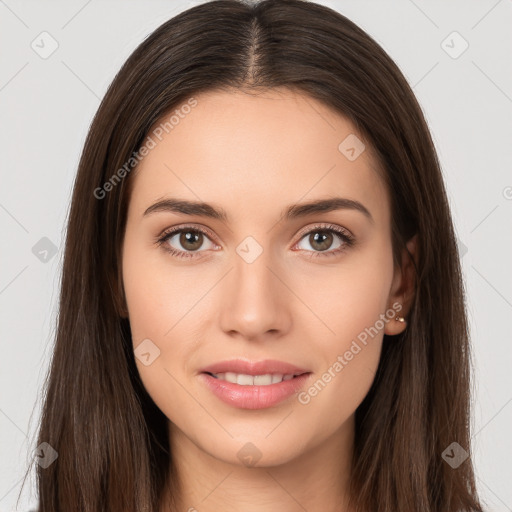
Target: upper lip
{"type": "Point", "coordinates": [243, 366]}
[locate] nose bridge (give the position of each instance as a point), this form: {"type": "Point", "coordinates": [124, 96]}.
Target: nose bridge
{"type": "Point", "coordinates": [255, 301]}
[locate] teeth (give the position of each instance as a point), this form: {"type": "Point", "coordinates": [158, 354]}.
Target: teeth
{"type": "Point", "coordinates": [229, 376]}
{"type": "Point", "coordinates": [277, 377]}
{"type": "Point", "coordinates": [245, 380]}
{"type": "Point", "coordinates": [253, 380]}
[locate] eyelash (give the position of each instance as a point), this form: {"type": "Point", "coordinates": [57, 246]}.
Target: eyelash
{"type": "Point", "coordinates": [346, 238]}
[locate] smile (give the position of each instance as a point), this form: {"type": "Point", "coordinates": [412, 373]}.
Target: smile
{"type": "Point", "coordinates": [254, 391]}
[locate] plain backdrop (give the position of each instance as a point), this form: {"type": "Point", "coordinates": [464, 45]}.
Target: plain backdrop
{"type": "Point", "coordinates": [457, 57]}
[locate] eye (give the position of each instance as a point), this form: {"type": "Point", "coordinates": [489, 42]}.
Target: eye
{"type": "Point", "coordinates": [190, 239]}
{"type": "Point", "coordinates": [326, 240]}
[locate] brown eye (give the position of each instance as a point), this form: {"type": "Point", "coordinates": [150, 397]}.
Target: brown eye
{"type": "Point", "coordinates": [328, 240]}
{"type": "Point", "coordinates": [191, 240]}
{"type": "Point", "coordinates": [185, 241]}
{"type": "Point", "coordinates": [321, 240]}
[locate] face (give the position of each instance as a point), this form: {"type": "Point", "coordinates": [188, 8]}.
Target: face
{"type": "Point", "coordinates": [263, 281]}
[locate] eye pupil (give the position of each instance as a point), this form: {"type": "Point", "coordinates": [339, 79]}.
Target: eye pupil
{"type": "Point", "coordinates": [324, 236]}
{"type": "Point", "coordinates": [189, 239]}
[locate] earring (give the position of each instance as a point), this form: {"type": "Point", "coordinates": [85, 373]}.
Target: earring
{"type": "Point", "coordinates": [400, 319]}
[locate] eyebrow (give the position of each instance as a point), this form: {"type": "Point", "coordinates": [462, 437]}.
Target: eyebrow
{"type": "Point", "coordinates": [293, 211]}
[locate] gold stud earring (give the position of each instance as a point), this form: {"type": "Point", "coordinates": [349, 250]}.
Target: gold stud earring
{"type": "Point", "coordinates": [400, 319]}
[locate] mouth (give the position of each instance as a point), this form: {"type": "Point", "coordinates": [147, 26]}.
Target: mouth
{"type": "Point", "coordinates": [243, 379]}
{"type": "Point", "coordinates": [258, 391]}
{"type": "Point", "coordinates": [253, 384]}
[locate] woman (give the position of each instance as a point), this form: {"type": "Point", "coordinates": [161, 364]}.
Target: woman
{"type": "Point", "coordinates": [261, 303]}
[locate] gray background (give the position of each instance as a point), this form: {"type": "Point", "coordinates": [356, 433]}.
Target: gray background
{"type": "Point", "coordinates": [46, 105]}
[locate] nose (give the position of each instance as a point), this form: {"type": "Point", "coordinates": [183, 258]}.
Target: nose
{"type": "Point", "coordinates": [255, 302]}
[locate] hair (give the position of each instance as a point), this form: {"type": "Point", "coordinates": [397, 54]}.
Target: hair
{"type": "Point", "coordinates": [111, 438]}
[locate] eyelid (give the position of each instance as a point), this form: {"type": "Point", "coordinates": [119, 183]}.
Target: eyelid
{"type": "Point", "coordinates": [324, 226]}
{"type": "Point", "coordinates": [177, 229]}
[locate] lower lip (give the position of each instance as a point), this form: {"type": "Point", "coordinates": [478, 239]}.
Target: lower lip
{"type": "Point", "coordinates": [254, 397]}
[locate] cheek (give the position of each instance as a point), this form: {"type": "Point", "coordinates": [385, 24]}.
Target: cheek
{"type": "Point", "coordinates": [160, 306]}
{"type": "Point", "coordinates": [157, 296]}
{"type": "Point", "coordinates": [163, 306]}
{"type": "Point", "coordinates": [350, 297]}
{"type": "Point", "coordinates": [352, 303]}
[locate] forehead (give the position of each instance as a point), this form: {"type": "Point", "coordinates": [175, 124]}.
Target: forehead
{"type": "Point", "coordinates": [252, 153]}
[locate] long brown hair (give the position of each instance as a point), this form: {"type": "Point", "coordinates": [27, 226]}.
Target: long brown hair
{"type": "Point", "coordinates": [111, 439]}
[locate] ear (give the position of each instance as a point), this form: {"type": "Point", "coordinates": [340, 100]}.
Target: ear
{"type": "Point", "coordinates": [403, 288]}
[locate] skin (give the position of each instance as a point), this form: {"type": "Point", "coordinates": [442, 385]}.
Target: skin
{"type": "Point", "coordinates": [253, 155]}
